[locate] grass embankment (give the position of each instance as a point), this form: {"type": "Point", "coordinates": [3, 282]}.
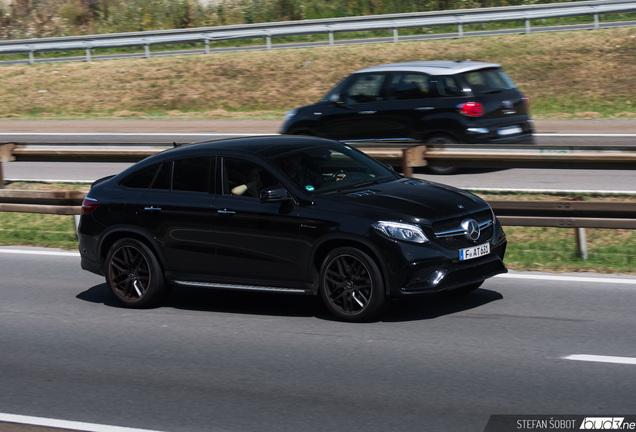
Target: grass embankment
{"type": "Point", "coordinates": [529, 248]}
{"type": "Point", "coordinates": [583, 74]}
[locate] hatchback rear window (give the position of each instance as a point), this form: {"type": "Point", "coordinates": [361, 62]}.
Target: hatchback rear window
{"type": "Point", "coordinates": [488, 81]}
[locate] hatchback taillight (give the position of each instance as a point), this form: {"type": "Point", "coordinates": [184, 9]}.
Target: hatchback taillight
{"type": "Point", "coordinates": [471, 109]}
{"type": "Point", "coordinates": [526, 101]}
{"type": "Point", "coordinates": [89, 205]}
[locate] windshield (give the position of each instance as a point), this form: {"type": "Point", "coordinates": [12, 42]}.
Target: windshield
{"type": "Point", "coordinates": [331, 168]}
{"type": "Point", "coordinates": [488, 81]}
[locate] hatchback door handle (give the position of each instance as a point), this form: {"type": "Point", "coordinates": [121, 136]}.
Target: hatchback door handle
{"type": "Point", "coordinates": [152, 209]}
{"type": "Point", "coordinates": [424, 108]}
{"type": "Point", "coordinates": [367, 112]}
{"type": "Point", "coordinates": [226, 212]}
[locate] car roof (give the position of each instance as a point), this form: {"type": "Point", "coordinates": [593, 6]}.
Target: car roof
{"type": "Point", "coordinates": [435, 67]}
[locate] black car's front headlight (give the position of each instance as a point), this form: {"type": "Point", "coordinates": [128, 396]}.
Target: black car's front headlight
{"type": "Point", "coordinates": [290, 114]}
{"type": "Point", "coordinates": [401, 231]}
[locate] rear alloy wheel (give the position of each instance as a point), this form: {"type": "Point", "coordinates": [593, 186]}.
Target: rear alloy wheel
{"type": "Point", "coordinates": [441, 170]}
{"type": "Point", "coordinates": [133, 274]}
{"type": "Point", "coordinates": [351, 285]}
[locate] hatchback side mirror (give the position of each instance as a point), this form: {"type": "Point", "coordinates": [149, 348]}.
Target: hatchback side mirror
{"type": "Point", "coordinates": [336, 98]}
{"type": "Point", "coordinates": [275, 194]}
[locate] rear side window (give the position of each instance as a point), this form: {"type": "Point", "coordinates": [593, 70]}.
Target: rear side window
{"type": "Point", "coordinates": [141, 179]}
{"type": "Point", "coordinates": [192, 174]}
{"type": "Point", "coordinates": [488, 81]}
{"type": "Point", "coordinates": [446, 86]}
{"type": "Point", "coordinates": [405, 86]}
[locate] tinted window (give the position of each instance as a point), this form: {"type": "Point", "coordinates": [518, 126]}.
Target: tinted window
{"type": "Point", "coordinates": [244, 178]}
{"type": "Point", "coordinates": [192, 174]}
{"type": "Point", "coordinates": [327, 168]}
{"type": "Point", "coordinates": [162, 181]}
{"type": "Point", "coordinates": [488, 81]}
{"type": "Point", "coordinates": [141, 179]}
{"type": "Point", "coordinates": [364, 88]}
{"type": "Point", "coordinates": [446, 86]}
{"type": "Point", "coordinates": [405, 86]}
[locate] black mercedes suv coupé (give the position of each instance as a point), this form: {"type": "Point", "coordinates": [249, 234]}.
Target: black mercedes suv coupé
{"type": "Point", "coordinates": [285, 214]}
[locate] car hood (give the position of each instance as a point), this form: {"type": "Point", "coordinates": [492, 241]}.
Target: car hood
{"type": "Point", "coordinates": [409, 200]}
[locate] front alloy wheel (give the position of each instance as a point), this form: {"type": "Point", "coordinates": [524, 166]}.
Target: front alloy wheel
{"type": "Point", "coordinates": [133, 274]}
{"type": "Point", "coordinates": [351, 285]}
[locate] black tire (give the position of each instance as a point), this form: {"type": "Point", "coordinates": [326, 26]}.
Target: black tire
{"type": "Point", "coordinates": [441, 139]}
{"type": "Point", "coordinates": [134, 275]}
{"type": "Point", "coordinates": [351, 285]}
{"type": "Point", "coordinates": [462, 291]}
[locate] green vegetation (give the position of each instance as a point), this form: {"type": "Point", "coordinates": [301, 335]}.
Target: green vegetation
{"type": "Point", "coordinates": [529, 248]}
{"type": "Point", "coordinates": [21, 19]}
{"type": "Point", "coordinates": [565, 75]}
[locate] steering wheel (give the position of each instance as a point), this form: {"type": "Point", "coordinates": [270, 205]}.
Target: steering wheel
{"type": "Point", "coordinates": [339, 175]}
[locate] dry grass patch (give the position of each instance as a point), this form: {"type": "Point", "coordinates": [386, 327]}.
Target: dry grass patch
{"type": "Point", "coordinates": [564, 74]}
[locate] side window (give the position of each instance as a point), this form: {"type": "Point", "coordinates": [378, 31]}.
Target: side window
{"type": "Point", "coordinates": [446, 86]}
{"type": "Point", "coordinates": [191, 174]}
{"type": "Point", "coordinates": [163, 178]}
{"type": "Point", "coordinates": [406, 86]}
{"type": "Point", "coordinates": [141, 179]}
{"type": "Point", "coordinates": [364, 88]}
{"type": "Point", "coordinates": [245, 179]}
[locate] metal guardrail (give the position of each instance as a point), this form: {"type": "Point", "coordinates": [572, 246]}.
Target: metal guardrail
{"type": "Point", "coordinates": [560, 214]}
{"type": "Point", "coordinates": [459, 18]}
{"type": "Point", "coordinates": [472, 155]}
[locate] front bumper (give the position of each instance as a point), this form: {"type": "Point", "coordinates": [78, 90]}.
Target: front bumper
{"type": "Point", "coordinates": [435, 266]}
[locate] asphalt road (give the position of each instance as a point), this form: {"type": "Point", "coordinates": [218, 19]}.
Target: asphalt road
{"type": "Point", "coordinates": [224, 361]}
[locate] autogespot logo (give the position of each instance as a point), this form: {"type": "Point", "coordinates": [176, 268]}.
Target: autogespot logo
{"type": "Point", "coordinates": [606, 423]}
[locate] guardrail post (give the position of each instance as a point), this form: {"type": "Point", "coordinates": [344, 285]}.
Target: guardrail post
{"type": "Point", "coordinates": [88, 54]}
{"type": "Point", "coordinates": [331, 43]}
{"type": "Point", "coordinates": [527, 26]}
{"type": "Point", "coordinates": [269, 42]}
{"type": "Point", "coordinates": [460, 30]}
{"type": "Point", "coordinates": [5, 156]}
{"type": "Point", "coordinates": [581, 242]}
{"type": "Point", "coordinates": [596, 24]}
{"type": "Point", "coordinates": [207, 46]}
{"type": "Point", "coordinates": [147, 47]}
{"type": "Point", "coordinates": [31, 59]}
{"type": "Point", "coordinates": [395, 35]}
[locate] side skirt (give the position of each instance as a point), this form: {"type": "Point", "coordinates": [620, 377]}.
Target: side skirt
{"type": "Point", "coordinates": [242, 287]}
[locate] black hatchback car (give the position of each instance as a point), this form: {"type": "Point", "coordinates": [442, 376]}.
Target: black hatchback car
{"type": "Point", "coordinates": [437, 102]}
{"type": "Point", "coordinates": [285, 214]}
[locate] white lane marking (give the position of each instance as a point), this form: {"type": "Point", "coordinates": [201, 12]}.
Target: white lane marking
{"type": "Point", "coordinates": [38, 252]}
{"type": "Point", "coordinates": [131, 134]}
{"type": "Point", "coordinates": [568, 278]}
{"type": "Point", "coordinates": [601, 359]}
{"type": "Point", "coordinates": [64, 424]}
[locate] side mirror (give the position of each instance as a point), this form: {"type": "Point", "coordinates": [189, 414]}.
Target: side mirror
{"type": "Point", "coordinates": [275, 194]}
{"type": "Point", "coordinates": [336, 98]}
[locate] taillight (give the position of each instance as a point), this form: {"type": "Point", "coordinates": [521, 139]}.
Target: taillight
{"type": "Point", "coordinates": [89, 205]}
{"type": "Point", "coordinates": [471, 109]}
{"type": "Point", "coordinates": [526, 101]}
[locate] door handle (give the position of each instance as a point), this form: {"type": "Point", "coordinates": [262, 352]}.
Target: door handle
{"type": "Point", "coordinates": [226, 212]}
{"type": "Point", "coordinates": [367, 112]}
{"type": "Point", "coordinates": [153, 209]}
{"type": "Point", "coordinates": [424, 108]}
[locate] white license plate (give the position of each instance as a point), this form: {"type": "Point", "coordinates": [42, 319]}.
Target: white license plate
{"type": "Point", "coordinates": [474, 252]}
{"type": "Point", "coordinates": [512, 130]}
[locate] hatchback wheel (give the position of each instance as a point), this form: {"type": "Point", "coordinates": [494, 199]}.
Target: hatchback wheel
{"type": "Point", "coordinates": [441, 139]}
{"type": "Point", "coordinates": [133, 274]}
{"type": "Point", "coordinates": [351, 285]}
